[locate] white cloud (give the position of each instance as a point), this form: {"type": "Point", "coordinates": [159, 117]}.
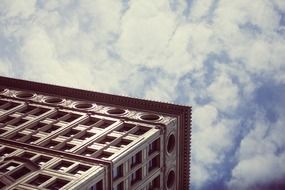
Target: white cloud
{"type": "Point", "coordinates": [5, 68]}
{"type": "Point", "coordinates": [260, 161]}
{"type": "Point", "coordinates": [156, 50]}
{"type": "Point", "coordinates": [200, 9]}
{"type": "Point", "coordinates": [224, 92]}
{"type": "Point", "coordinates": [21, 9]}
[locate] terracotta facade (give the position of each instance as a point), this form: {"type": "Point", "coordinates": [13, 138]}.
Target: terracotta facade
{"type": "Point", "coordinates": [55, 137]}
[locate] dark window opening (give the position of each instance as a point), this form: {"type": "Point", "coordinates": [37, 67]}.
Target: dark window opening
{"type": "Point", "coordinates": [40, 179]}
{"type": "Point", "coordinates": [32, 139]}
{"type": "Point", "coordinates": [27, 155]}
{"type": "Point", "coordinates": [62, 165]}
{"type": "Point", "coordinates": [9, 167]}
{"type": "Point", "coordinates": [118, 172]}
{"type": "Point", "coordinates": [6, 151]}
{"type": "Point", "coordinates": [2, 185]}
{"type": "Point", "coordinates": [71, 133]}
{"type": "Point", "coordinates": [136, 159]}
{"type": "Point", "coordinates": [51, 128]}
{"type": "Point", "coordinates": [40, 111]}
{"type": "Point", "coordinates": [120, 186]}
{"type": "Point", "coordinates": [105, 124]}
{"type": "Point", "coordinates": [86, 135]}
{"type": "Point", "coordinates": [57, 184]}
{"type": "Point", "coordinates": [58, 115]}
{"type": "Point", "coordinates": [72, 117]}
{"type": "Point", "coordinates": [37, 126]}
{"type": "Point", "coordinates": [17, 136]}
{"type": "Point", "coordinates": [20, 122]}
{"type": "Point", "coordinates": [154, 146]}
{"type": "Point", "coordinates": [91, 121]}
{"type": "Point", "coordinates": [52, 144]}
{"type": "Point", "coordinates": [104, 155]}
{"type": "Point", "coordinates": [2, 131]}
{"type": "Point", "coordinates": [8, 105]}
{"type": "Point", "coordinates": [88, 152]}
{"type": "Point", "coordinates": [20, 173]}
{"type": "Point", "coordinates": [67, 147]}
{"type": "Point", "coordinates": [123, 142]}
{"type": "Point", "coordinates": [155, 184]}
{"type": "Point", "coordinates": [41, 160]}
{"type": "Point", "coordinates": [136, 176]}
{"type": "Point", "coordinates": [28, 109]}
{"type": "Point", "coordinates": [126, 127]}
{"type": "Point", "coordinates": [78, 170]}
{"type": "Point", "coordinates": [107, 139]}
{"type": "Point", "coordinates": [97, 186]}
{"type": "Point", "coordinates": [141, 130]}
{"type": "Point", "coordinates": [7, 119]}
{"type": "Point", "coordinates": [154, 163]}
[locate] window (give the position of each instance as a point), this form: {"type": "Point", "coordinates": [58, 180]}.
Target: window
{"type": "Point", "coordinates": [32, 139]}
{"type": "Point", "coordinates": [136, 176]}
{"type": "Point", "coordinates": [7, 119]}
{"type": "Point", "coordinates": [141, 130]}
{"type": "Point", "coordinates": [72, 117]}
{"type": "Point", "coordinates": [37, 126]}
{"type": "Point", "coordinates": [52, 144]}
{"type": "Point", "coordinates": [57, 184]}
{"type": "Point", "coordinates": [41, 160]}
{"type": "Point", "coordinates": [27, 155]}
{"type": "Point", "coordinates": [126, 127]}
{"type": "Point", "coordinates": [86, 135]}
{"type": "Point", "coordinates": [5, 105]}
{"type": "Point", "coordinates": [6, 151]}
{"type": "Point", "coordinates": [120, 186]}
{"type": "Point", "coordinates": [88, 152]}
{"type": "Point", "coordinates": [62, 165]}
{"type": "Point", "coordinates": [28, 109]}
{"type": "Point", "coordinates": [40, 111]}
{"type": "Point", "coordinates": [107, 139]}
{"type": "Point", "coordinates": [154, 163]}
{"type": "Point", "coordinates": [2, 131]}
{"type": "Point", "coordinates": [118, 172]}
{"type": "Point", "coordinates": [58, 115]}
{"type": "Point", "coordinates": [154, 184]}
{"type": "Point", "coordinates": [38, 180]}
{"type": "Point", "coordinates": [154, 146]}
{"type": "Point", "coordinates": [67, 147]}
{"type": "Point", "coordinates": [97, 186]}
{"type": "Point", "coordinates": [136, 159]}
{"type": "Point", "coordinates": [90, 121]}
{"type": "Point", "coordinates": [20, 173]}
{"type": "Point", "coordinates": [123, 142]}
{"type": "Point", "coordinates": [79, 169]}
{"type": "Point", "coordinates": [17, 136]}
{"type": "Point", "coordinates": [19, 122]}
{"type": "Point", "coordinates": [8, 167]}
{"type": "Point", "coordinates": [71, 133]}
{"type": "Point", "coordinates": [50, 128]}
{"type": "Point", "coordinates": [2, 185]}
{"type": "Point", "coordinates": [104, 155]}
{"type": "Point", "coordinates": [105, 124]}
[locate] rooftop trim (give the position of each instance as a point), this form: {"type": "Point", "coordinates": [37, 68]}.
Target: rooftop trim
{"type": "Point", "coordinates": [183, 113]}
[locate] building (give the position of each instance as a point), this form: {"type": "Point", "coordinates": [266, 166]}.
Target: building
{"type": "Point", "coordinates": [54, 137]}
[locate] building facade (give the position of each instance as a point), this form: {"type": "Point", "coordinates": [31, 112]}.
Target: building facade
{"type": "Point", "coordinates": [55, 137]}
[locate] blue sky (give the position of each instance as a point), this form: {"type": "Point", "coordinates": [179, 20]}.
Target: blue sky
{"type": "Point", "coordinates": [225, 58]}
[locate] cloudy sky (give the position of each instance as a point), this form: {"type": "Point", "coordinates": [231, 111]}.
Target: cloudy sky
{"type": "Point", "coordinates": [223, 57]}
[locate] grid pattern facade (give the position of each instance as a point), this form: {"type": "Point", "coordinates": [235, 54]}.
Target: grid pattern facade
{"type": "Point", "coordinates": [50, 141]}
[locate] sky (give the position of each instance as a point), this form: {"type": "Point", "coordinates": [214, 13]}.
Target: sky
{"type": "Point", "coordinates": [224, 58]}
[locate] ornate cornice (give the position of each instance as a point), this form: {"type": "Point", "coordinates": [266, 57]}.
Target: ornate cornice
{"type": "Point", "coordinates": [183, 113]}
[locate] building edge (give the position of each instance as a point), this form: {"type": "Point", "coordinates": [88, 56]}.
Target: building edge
{"type": "Point", "coordinates": [182, 112]}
